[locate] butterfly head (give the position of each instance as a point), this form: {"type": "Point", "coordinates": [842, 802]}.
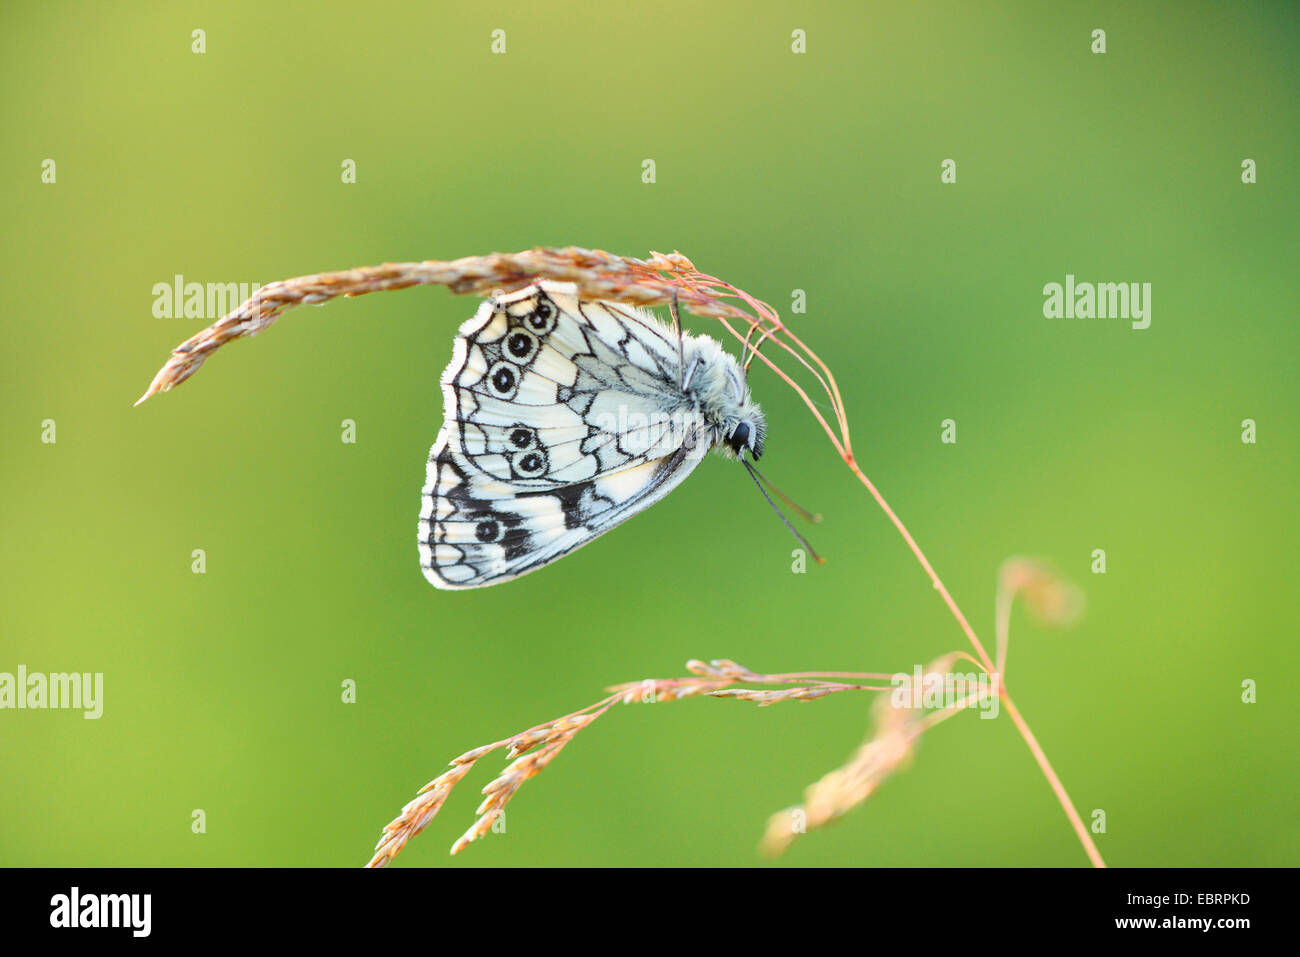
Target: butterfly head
{"type": "Point", "coordinates": [737, 421]}
{"type": "Point", "coordinates": [742, 423]}
{"type": "Point", "coordinates": [747, 434]}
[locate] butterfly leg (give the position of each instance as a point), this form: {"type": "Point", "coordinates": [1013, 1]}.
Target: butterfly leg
{"type": "Point", "coordinates": [750, 353]}
{"type": "Point", "coordinates": [681, 348]}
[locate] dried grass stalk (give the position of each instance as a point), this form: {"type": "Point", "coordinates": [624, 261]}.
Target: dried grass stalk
{"type": "Point", "coordinates": [887, 750]}
{"type": "Point", "coordinates": [598, 275]}
{"type": "Point", "coordinates": [531, 751]}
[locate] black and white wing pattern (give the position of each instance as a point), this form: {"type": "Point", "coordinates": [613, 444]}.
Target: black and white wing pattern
{"type": "Point", "coordinates": [563, 418]}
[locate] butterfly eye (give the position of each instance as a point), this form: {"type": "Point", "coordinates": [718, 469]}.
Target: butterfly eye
{"type": "Point", "coordinates": [739, 437]}
{"type": "Point", "coordinates": [488, 531]}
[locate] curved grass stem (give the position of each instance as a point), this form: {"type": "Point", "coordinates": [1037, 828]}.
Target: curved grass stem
{"type": "Point", "coordinates": [1034, 747]}
{"type": "Point", "coordinates": [1061, 795]}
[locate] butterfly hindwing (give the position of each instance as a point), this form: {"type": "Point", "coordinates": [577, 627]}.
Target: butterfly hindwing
{"type": "Point", "coordinates": [563, 419]}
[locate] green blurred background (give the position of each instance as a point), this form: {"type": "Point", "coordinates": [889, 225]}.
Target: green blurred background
{"type": "Point", "coordinates": [775, 171]}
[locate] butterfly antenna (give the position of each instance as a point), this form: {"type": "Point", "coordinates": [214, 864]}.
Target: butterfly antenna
{"type": "Point", "coordinates": [753, 473]}
{"type": "Point", "coordinates": [807, 516]}
{"type": "Point", "coordinates": [681, 347]}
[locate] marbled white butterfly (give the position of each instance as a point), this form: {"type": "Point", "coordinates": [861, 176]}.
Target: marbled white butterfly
{"type": "Point", "coordinates": [563, 417]}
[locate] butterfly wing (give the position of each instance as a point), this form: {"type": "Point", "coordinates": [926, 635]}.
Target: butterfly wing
{"type": "Point", "coordinates": [564, 417]}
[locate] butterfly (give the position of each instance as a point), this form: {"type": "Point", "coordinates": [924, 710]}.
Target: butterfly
{"type": "Point", "coordinates": [563, 417]}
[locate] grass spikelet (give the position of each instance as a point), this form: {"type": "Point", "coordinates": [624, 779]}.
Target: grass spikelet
{"type": "Point", "coordinates": [657, 281]}
{"type": "Point", "coordinates": [530, 751]}
{"type": "Point", "coordinates": [887, 750]}
{"type": "Point", "coordinates": [1049, 598]}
